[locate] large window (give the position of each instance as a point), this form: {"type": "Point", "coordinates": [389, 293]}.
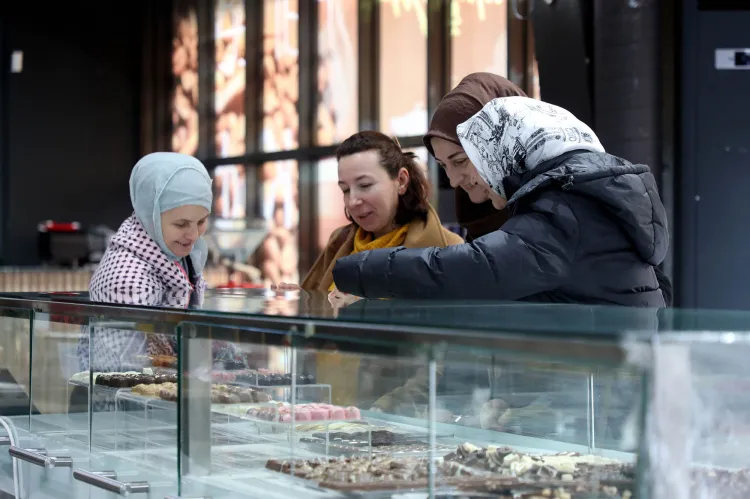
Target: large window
{"type": "Point", "coordinates": [229, 90]}
{"type": "Point", "coordinates": [403, 67]}
{"type": "Point", "coordinates": [337, 71]}
{"type": "Point", "coordinates": [331, 214]}
{"type": "Point", "coordinates": [280, 75]}
{"type": "Point", "coordinates": [230, 193]}
{"type": "Point", "coordinates": [279, 252]}
{"type": "Point", "coordinates": [185, 74]}
{"type": "Point", "coordinates": [479, 38]}
{"type": "Point", "coordinates": [259, 188]}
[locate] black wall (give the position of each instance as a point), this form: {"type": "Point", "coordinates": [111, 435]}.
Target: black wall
{"type": "Point", "coordinates": [70, 120]}
{"type": "Point", "coordinates": [714, 172]}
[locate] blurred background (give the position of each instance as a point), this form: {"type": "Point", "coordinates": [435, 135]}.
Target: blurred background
{"type": "Point", "coordinates": [262, 91]}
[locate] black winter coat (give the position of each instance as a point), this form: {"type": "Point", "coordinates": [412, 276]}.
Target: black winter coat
{"type": "Point", "coordinates": [585, 227]}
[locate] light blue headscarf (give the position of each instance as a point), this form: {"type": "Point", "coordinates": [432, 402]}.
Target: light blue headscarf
{"type": "Point", "coordinates": [162, 181]}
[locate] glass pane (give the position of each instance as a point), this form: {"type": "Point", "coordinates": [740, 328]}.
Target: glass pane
{"type": "Point", "coordinates": [280, 75]}
{"type": "Point", "coordinates": [278, 256]}
{"type": "Point", "coordinates": [92, 386]}
{"type": "Point", "coordinates": [232, 428]}
{"type": "Point", "coordinates": [185, 72]}
{"type": "Point", "coordinates": [403, 67]}
{"type": "Point", "coordinates": [391, 408]}
{"type": "Point", "coordinates": [337, 71]}
{"type": "Point", "coordinates": [331, 214]}
{"type": "Point", "coordinates": [15, 367]}
{"type": "Point", "coordinates": [698, 400]}
{"type": "Point", "coordinates": [230, 193]}
{"type": "Point", "coordinates": [478, 24]}
{"type": "Point", "coordinates": [229, 89]}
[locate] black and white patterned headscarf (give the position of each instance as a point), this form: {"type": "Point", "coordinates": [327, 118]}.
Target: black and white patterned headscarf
{"type": "Point", "coordinates": [512, 135]}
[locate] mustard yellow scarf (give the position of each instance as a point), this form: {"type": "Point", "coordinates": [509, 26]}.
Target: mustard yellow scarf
{"type": "Point", "coordinates": [365, 241]}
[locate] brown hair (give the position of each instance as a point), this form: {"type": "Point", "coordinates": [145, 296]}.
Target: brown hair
{"type": "Point", "coordinates": [413, 203]}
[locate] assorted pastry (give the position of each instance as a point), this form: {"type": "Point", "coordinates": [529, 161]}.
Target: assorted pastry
{"type": "Point", "coordinates": [169, 361]}
{"type": "Point", "coordinates": [129, 380]}
{"type": "Point", "coordinates": [261, 377]}
{"type": "Point", "coordinates": [268, 378]}
{"type": "Point", "coordinates": [83, 377]}
{"type": "Point", "coordinates": [502, 472]}
{"type": "Point", "coordinates": [220, 394]}
{"type": "Point", "coordinates": [282, 412]}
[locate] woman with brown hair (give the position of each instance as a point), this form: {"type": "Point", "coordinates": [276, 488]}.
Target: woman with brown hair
{"type": "Point", "coordinates": [386, 199]}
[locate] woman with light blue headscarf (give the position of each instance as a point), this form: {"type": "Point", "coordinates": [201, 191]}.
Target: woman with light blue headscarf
{"type": "Point", "coordinates": [156, 258]}
{"type": "Point", "coordinates": [158, 254]}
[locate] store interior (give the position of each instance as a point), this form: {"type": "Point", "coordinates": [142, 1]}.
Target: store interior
{"type": "Point", "coordinates": [272, 393]}
{"type": "Point", "coordinates": [262, 92]}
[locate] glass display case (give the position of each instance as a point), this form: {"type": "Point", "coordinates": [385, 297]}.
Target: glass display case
{"type": "Point", "coordinates": [259, 394]}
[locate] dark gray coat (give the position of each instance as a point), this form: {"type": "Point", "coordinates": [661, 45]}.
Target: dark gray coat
{"type": "Point", "coordinates": [585, 227]}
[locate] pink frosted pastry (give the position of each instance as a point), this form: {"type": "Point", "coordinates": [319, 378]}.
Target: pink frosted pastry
{"type": "Point", "coordinates": [352, 413]}
{"type": "Point", "coordinates": [337, 413]}
{"type": "Point", "coordinates": [285, 418]}
{"type": "Point", "coordinates": [302, 415]}
{"type": "Point", "coordinates": [318, 414]}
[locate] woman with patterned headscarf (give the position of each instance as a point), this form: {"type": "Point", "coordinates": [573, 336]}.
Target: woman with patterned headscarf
{"type": "Point", "coordinates": [584, 226]}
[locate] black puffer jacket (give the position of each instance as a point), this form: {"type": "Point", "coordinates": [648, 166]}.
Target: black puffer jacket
{"type": "Point", "coordinates": [585, 227]}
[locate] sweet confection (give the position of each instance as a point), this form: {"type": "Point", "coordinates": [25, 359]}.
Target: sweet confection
{"type": "Point", "coordinates": [223, 376]}
{"type": "Point", "coordinates": [363, 473]}
{"type": "Point", "coordinates": [264, 377]}
{"type": "Point", "coordinates": [303, 412]}
{"type": "Point", "coordinates": [147, 390]}
{"type": "Point", "coordinates": [168, 392]}
{"type": "Point", "coordinates": [500, 472]}
{"type": "Point", "coordinates": [221, 394]}
{"type": "Point", "coordinates": [169, 361]}
{"type": "Point", "coordinates": [131, 379]}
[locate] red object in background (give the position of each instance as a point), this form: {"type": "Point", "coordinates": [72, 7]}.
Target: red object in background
{"type": "Point", "coordinates": [52, 226]}
{"type": "Point", "coordinates": [62, 243]}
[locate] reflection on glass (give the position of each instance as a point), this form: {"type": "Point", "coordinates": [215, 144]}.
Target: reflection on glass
{"type": "Point", "coordinates": [403, 67]}
{"type": "Point", "coordinates": [278, 256]}
{"type": "Point", "coordinates": [479, 32]}
{"type": "Point", "coordinates": [185, 74]}
{"type": "Point", "coordinates": [229, 101]}
{"type": "Point", "coordinates": [280, 75]}
{"type": "Point", "coordinates": [337, 71]}
{"type": "Point", "coordinates": [230, 190]}
{"type": "Point", "coordinates": [330, 201]}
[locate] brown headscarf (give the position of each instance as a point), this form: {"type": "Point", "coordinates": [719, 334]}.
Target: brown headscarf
{"type": "Point", "coordinates": [458, 105]}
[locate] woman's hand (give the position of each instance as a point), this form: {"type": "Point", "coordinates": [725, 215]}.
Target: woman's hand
{"type": "Point", "coordinates": [339, 300]}
{"type": "Point", "coordinates": [494, 415]}
{"type": "Point", "coordinates": [285, 286]}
